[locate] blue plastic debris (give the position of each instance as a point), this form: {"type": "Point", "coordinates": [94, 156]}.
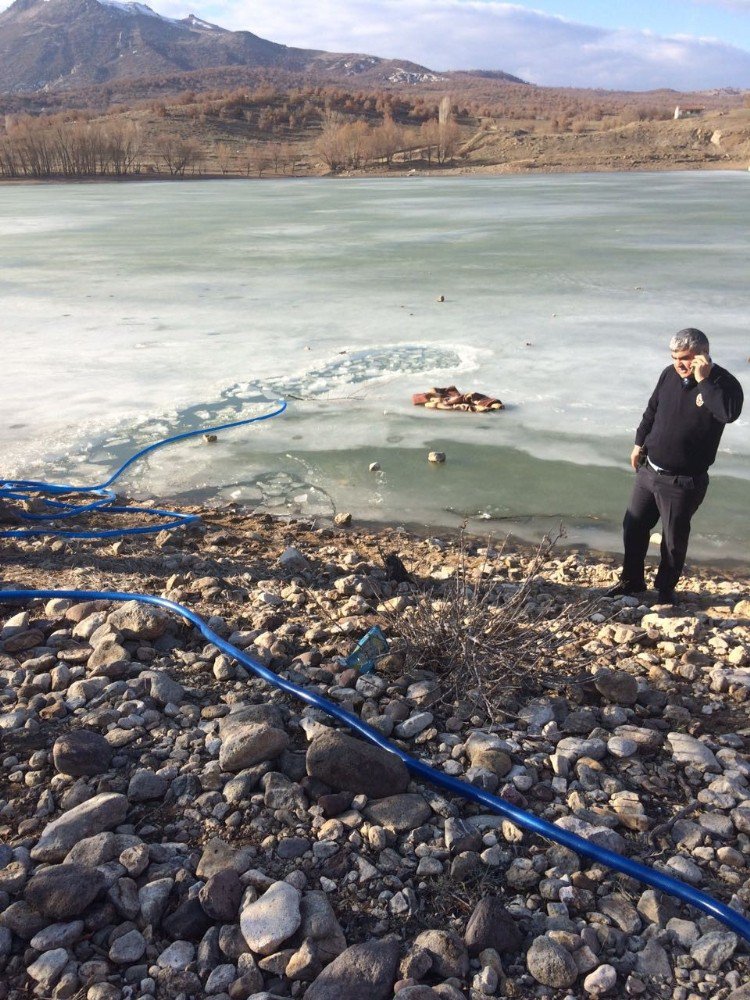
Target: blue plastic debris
{"type": "Point", "coordinates": [370, 648]}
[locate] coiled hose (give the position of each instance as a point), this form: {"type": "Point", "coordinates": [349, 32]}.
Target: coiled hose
{"type": "Point", "coordinates": [22, 489]}
{"type": "Point", "coordinates": [524, 820]}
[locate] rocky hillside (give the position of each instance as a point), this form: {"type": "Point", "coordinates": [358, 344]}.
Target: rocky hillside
{"type": "Point", "coordinates": [69, 44]}
{"type": "Point", "coordinates": [172, 827]}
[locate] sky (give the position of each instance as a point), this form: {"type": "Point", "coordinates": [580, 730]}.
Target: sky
{"type": "Point", "coordinates": [613, 44]}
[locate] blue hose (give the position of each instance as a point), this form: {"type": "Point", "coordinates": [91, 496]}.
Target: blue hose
{"type": "Point", "coordinates": [526, 821]}
{"type": "Point", "coordinates": [21, 489]}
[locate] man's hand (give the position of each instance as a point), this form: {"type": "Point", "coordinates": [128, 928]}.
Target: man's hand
{"type": "Point", "coordinates": [635, 457]}
{"type": "Point", "coordinates": [701, 367]}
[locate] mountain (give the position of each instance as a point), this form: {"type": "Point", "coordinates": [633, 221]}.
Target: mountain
{"type": "Point", "coordinates": [69, 44]}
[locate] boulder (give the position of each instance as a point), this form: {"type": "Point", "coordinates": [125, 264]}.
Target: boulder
{"type": "Point", "coordinates": [81, 753]}
{"type": "Point", "coordinates": [362, 972]}
{"type": "Point", "coordinates": [349, 764]}
{"type": "Point", "coordinates": [63, 891]}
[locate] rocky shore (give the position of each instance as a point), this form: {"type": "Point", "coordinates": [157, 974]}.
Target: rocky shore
{"type": "Point", "coordinates": [172, 827]}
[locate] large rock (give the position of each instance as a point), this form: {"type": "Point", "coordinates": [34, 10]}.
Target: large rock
{"type": "Point", "coordinates": [320, 925]}
{"type": "Point", "coordinates": [81, 753]}
{"type": "Point", "coordinates": [162, 688]}
{"type": "Point", "coordinates": [551, 964]}
{"type": "Point", "coordinates": [47, 968]}
{"type": "Point", "coordinates": [362, 972]}
{"type": "Point", "coordinates": [713, 949]}
{"type": "Point", "coordinates": [491, 926]}
{"type": "Point", "coordinates": [447, 951]}
{"type": "Point", "coordinates": [688, 750]}
{"type": "Point", "coordinates": [146, 785]}
{"type": "Point", "coordinates": [349, 764]}
{"type": "Point", "coordinates": [102, 812]}
{"type": "Point", "coordinates": [221, 895]}
{"type": "Point", "coordinates": [617, 686]}
{"type": "Point", "coordinates": [218, 856]}
{"type": "Point", "coordinates": [107, 655]}
{"type": "Point", "coordinates": [249, 735]}
{"type": "Point", "coordinates": [399, 812]}
{"type": "Point", "coordinates": [272, 919]}
{"type": "Point", "coordinates": [138, 621]}
{"type": "Point", "coordinates": [63, 891]}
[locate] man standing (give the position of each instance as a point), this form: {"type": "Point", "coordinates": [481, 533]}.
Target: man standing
{"type": "Point", "coordinates": [675, 444]}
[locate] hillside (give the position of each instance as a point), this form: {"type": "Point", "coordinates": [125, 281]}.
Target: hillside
{"type": "Point", "coordinates": [317, 130]}
{"type": "Point", "coordinates": [69, 44]}
{"type": "Point", "coordinates": [102, 88]}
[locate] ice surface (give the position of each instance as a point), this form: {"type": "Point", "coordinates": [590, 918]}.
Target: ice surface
{"type": "Point", "coordinates": [135, 311]}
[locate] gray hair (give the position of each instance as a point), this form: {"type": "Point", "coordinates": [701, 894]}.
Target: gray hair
{"type": "Point", "coordinates": [689, 339]}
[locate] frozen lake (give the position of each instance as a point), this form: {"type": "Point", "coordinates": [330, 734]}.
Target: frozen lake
{"type": "Point", "coordinates": [132, 311]}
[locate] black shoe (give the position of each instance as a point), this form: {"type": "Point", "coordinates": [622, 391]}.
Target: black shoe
{"type": "Point", "coordinates": [623, 589]}
{"type": "Point", "coordinates": [667, 597]}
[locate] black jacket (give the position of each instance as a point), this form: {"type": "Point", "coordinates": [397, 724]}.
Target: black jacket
{"type": "Point", "coordinates": [681, 427]}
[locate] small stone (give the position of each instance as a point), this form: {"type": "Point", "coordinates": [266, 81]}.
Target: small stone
{"type": "Point", "coordinates": [220, 979]}
{"type": "Point", "coordinates": [398, 813]}
{"type": "Point", "coordinates": [621, 747]}
{"type": "Point", "coordinates": [600, 981]}
{"type": "Point", "coordinates": [492, 926]}
{"type": "Point", "coordinates": [250, 735]}
{"type": "Point", "coordinates": [58, 936]}
{"type": "Point", "coordinates": [126, 950]}
{"type": "Point", "coordinates": [292, 559]}
{"type": "Point", "coordinates": [177, 956]}
{"type": "Point", "coordinates": [691, 752]}
{"type": "Point", "coordinates": [653, 962]}
{"type": "Point", "coordinates": [436, 457]}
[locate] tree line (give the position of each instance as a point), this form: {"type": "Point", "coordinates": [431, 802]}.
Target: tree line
{"type": "Point", "coordinates": [58, 146]}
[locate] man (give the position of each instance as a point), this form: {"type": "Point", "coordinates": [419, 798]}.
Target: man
{"type": "Point", "coordinates": [675, 444]}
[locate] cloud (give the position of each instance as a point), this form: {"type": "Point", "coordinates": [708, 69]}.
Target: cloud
{"type": "Point", "coordinates": [486, 34]}
{"type": "Point", "coordinates": [483, 34]}
{"type": "Point", "coordinates": [741, 5]}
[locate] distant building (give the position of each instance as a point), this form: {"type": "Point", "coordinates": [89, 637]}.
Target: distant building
{"type": "Point", "coordinates": [687, 112]}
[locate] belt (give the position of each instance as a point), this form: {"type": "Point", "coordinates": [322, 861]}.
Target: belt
{"type": "Point", "coordinates": [679, 476]}
{"type": "Point", "coordinates": [659, 471]}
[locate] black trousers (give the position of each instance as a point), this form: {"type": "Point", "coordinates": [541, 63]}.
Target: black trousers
{"type": "Point", "coordinates": [674, 499]}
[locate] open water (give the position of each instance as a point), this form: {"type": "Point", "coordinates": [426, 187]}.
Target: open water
{"type": "Point", "coordinates": [133, 311]}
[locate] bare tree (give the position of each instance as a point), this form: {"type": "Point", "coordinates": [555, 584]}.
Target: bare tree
{"type": "Point", "coordinates": [177, 154]}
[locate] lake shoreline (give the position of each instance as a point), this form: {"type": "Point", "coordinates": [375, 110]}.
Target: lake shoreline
{"type": "Point", "coordinates": [465, 170]}
{"type": "Point", "coordinates": [156, 795]}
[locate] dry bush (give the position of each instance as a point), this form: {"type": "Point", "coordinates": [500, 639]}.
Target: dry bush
{"type": "Point", "coordinates": [481, 631]}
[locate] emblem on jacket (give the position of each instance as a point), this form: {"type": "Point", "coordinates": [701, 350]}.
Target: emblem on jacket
{"type": "Point", "coordinates": [699, 400]}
